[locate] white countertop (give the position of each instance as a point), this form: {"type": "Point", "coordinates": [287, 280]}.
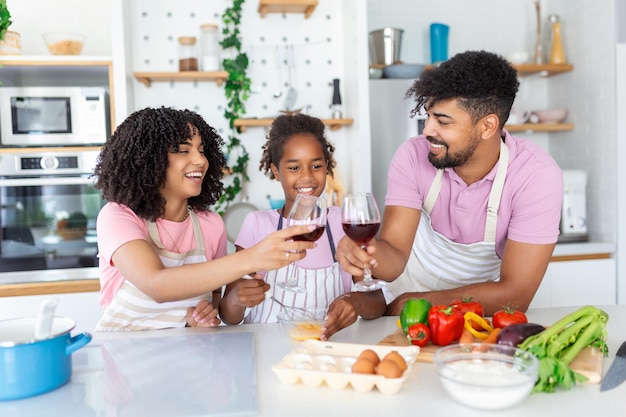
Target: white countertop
{"type": "Point", "coordinates": [96, 388]}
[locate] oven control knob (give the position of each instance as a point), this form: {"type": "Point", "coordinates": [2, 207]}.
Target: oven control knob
{"type": "Point", "coordinates": [49, 162]}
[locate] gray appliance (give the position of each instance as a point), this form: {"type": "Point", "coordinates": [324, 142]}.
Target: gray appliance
{"type": "Point", "coordinates": [390, 125]}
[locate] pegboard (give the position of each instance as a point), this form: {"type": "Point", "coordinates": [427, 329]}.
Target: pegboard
{"type": "Point", "coordinates": [284, 50]}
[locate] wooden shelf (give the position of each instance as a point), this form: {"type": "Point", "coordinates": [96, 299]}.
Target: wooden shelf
{"type": "Point", "coordinates": [540, 127]}
{"type": "Point", "coordinates": [243, 124]}
{"type": "Point", "coordinates": [525, 70]}
{"type": "Point", "coordinates": [287, 6]}
{"type": "Point", "coordinates": [147, 78]}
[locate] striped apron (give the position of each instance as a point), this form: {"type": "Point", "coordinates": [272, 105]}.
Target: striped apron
{"type": "Point", "coordinates": [437, 263]}
{"type": "Point", "coordinates": [322, 287]}
{"type": "Point", "coordinates": [132, 309]}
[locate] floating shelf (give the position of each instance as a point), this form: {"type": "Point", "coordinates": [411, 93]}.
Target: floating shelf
{"type": "Point", "coordinates": [147, 78]}
{"type": "Point", "coordinates": [524, 70]}
{"type": "Point", "coordinates": [287, 6]}
{"type": "Point", "coordinates": [540, 127]}
{"type": "Point", "coordinates": [243, 124]}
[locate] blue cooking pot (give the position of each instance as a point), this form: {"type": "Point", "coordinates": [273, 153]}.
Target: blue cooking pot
{"type": "Point", "coordinates": [29, 366]}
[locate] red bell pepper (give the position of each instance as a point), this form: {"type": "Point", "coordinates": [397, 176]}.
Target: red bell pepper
{"type": "Point", "coordinates": [418, 334]}
{"type": "Point", "coordinates": [446, 324]}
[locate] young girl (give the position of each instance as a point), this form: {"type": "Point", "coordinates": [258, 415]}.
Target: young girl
{"type": "Point", "coordinates": [161, 251]}
{"type": "Point", "coordinates": [299, 156]}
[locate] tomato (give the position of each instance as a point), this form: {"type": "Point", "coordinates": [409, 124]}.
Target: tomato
{"type": "Point", "coordinates": [466, 304]}
{"type": "Point", "coordinates": [418, 334]}
{"type": "Point", "coordinates": [508, 316]}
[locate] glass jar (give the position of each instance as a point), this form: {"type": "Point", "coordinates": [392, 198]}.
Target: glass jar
{"type": "Point", "coordinates": [187, 55]}
{"type": "Point", "coordinates": [209, 48]}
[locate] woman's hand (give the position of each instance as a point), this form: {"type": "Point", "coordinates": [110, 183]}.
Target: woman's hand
{"type": "Point", "coordinates": [352, 257]}
{"type": "Point", "coordinates": [278, 249]}
{"type": "Point", "coordinates": [203, 315]}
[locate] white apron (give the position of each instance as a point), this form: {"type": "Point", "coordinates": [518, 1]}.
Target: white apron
{"type": "Point", "coordinates": [437, 263]}
{"type": "Point", "coordinates": [322, 286]}
{"type": "Point", "coordinates": [132, 309]}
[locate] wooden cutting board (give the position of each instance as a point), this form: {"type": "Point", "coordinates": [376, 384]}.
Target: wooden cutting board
{"type": "Point", "coordinates": [588, 362]}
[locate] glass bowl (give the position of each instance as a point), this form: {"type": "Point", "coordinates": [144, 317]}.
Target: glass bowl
{"type": "Point", "coordinates": [64, 43]}
{"type": "Point", "coordinates": [302, 325]}
{"type": "Point", "coordinates": [486, 376]}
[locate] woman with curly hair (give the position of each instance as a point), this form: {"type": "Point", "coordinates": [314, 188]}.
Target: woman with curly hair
{"type": "Point", "coordinates": [162, 251]}
{"type": "Point", "coordinates": [470, 210]}
{"type": "Point", "coordinates": [298, 155]}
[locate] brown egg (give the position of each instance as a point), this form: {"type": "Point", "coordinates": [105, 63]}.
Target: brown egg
{"type": "Point", "coordinates": [389, 369]}
{"type": "Point", "coordinates": [397, 358]}
{"type": "Point", "coordinates": [371, 356]}
{"type": "Point", "coordinates": [363, 366]}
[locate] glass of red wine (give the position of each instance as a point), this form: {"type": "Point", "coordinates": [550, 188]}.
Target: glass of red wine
{"type": "Point", "coordinates": [361, 220]}
{"type": "Point", "coordinates": [306, 209]}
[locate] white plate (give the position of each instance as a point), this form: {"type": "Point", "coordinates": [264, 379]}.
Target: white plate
{"type": "Point", "coordinates": [233, 218]}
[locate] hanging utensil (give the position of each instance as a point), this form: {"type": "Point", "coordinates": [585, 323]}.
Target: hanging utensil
{"type": "Point", "coordinates": [292, 93]}
{"type": "Point", "coordinates": [279, 69]}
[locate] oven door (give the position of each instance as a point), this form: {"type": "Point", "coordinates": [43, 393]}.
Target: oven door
{"type": "Point", "coordinates": [48, 222]}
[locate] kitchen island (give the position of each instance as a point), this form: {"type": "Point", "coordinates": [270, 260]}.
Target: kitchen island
{"type": "Point", "coordinates": [152, 373]}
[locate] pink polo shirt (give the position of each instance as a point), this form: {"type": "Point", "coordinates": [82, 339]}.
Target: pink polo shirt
{"type": "Point", "coordinates": [530, 207]}
{"type": "Point", "coordinates": [118, 224]}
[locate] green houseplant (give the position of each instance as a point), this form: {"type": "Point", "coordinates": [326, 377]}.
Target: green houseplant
{"type": "Point", "coordinates": [237, 91]}
{"type": "Point", "coordinates": [5, 18]}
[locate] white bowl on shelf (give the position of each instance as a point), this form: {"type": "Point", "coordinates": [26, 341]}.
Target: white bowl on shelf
{"type": "Point", "coordinates": [549, 115]}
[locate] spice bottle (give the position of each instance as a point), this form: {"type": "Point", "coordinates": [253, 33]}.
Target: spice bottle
{"type": "Point", "coordinates": [209, 48]}
{"type": "Point", "coordinates": [557, 55]}
{"type": "Point", "coordinates": [187, 56]}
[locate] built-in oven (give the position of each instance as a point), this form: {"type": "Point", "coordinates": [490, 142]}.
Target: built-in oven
{"type": "Point", "coordinates": [48, 211]}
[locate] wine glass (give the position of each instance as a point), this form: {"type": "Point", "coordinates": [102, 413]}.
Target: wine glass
{"type": "Point", "coordinates": [360, 219]}
{"type": "Point", "coordinates": [306, 209]}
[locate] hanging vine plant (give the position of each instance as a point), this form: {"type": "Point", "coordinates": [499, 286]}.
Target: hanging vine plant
{"type": "Point", "coordinates": [237, 91]}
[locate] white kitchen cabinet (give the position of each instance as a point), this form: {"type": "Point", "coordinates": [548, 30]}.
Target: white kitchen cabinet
{"type": "Point", "coordinates": [81, 307]}
{"type": "Point", "coordinates": [575, 283]}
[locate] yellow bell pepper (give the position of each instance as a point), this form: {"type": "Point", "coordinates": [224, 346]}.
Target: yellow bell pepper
{"type": "Point", "coordinates": [482, 322]}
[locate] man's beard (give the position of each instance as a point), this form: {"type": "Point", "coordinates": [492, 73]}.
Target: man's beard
{"type": "Point", "coordinates": [453, 160]}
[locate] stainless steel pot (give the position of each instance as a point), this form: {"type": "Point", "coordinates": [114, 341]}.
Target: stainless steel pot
{"type": "Point", "coordinates": [30, 367]}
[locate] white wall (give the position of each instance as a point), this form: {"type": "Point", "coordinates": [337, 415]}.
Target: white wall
{"type": "Point", "coordinates": [32, 18]}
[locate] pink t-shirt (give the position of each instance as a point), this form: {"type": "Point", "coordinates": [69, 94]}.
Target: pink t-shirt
{"type": "Point", "coordinates": [258, 224]}
{"type": "Point", "coordinates": [118, 224]}
{"type": "Point", "coordinates": [530, 207]}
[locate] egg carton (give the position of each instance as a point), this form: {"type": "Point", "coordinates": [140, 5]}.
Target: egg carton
{"type": "Point", "coordinates": [315, 363]}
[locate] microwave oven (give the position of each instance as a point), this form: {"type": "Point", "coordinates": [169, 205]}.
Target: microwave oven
{"type": "Point", "coordinates": [54, 116]}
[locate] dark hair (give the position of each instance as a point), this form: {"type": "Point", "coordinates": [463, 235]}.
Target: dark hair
{"type": "Point", "coordinates": [482, 82]}
{"type": "Point", "coordinates": [132, 163]}
{"type": "Point", "coordinates": [286, 126]}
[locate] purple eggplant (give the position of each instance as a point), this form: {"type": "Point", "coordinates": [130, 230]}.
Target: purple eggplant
{"type": "Point", "coordinates": [515, 334]}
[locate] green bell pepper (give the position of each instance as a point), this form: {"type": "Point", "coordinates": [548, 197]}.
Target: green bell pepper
{"type": "Point", "coordinates": [415, 311]}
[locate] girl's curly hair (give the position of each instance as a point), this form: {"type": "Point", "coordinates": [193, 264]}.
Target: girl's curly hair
{"type": "Point", "coordinates": [283, 128]}
{"type": "Point", "coordinates": [482, 82]}
{"type": "Point", "coordinates": [131, 167]}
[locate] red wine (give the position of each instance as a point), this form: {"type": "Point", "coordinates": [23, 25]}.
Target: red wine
{"type": "Point", "coordinates": [311, 236]}
{"type": "Point", "coordinates": [361, 233]}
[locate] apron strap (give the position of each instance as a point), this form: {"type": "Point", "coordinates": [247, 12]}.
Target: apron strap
{"type": "Point", "coordinates": [496, 194]}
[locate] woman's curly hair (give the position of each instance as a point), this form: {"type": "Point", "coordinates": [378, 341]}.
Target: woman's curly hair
{"type": "Point", "coordinates": [286, 126]}
{"type": "Point", "coordinates": [482, 82]}
{"type": "Point", "coordinates": [132, 164]}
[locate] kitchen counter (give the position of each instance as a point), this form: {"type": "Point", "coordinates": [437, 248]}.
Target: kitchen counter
{"type": "Point", "coordinates": [100, 385]}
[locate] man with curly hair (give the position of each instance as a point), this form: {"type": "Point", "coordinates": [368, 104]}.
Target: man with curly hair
{"type": "Point", "coordinates": [470, 211]}
{"type": "Point", "coordinates": [162, 251]}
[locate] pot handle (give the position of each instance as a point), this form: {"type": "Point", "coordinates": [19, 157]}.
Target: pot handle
{"type": "Point", "coordinates": [77, 342]}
